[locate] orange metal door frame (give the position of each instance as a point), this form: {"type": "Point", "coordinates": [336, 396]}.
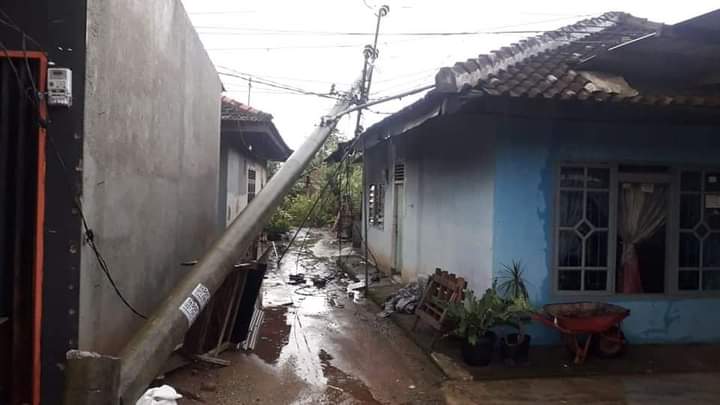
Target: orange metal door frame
{"type": "Point", "coordinates": [39, 220]}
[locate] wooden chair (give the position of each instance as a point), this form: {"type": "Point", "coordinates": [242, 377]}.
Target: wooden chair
{"type": "Point", "coordinates": [442, 288]}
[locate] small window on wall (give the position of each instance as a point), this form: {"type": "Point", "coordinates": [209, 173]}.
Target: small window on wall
{"type": "Point", "coordinates": [699, 231]}
{"type": "Point", "coordinates": [376, 204]}
{"type": "Point", "coordinates": [252, 176]}
{"type": "Point", "coordinates": [399, 173]}
{"type": "Point", "coordinates": [582, 228]}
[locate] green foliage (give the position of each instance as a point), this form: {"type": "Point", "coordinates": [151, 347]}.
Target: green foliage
{"type": "Point", "coordinates": [511, 281]}
{"type": "Point", "coordinates": [474, 317]}
{"type": "Point", "coordinates": [280, 222]}
{"type": "Point", "coordinates": [346, 181]}
{"type": "Point", "coordinates": [511, 285]}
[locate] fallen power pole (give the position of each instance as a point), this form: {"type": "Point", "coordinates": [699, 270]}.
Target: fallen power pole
{"type": "Point", "coordinates": [145, 354]}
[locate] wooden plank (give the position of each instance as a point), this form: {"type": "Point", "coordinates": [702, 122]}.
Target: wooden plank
{"type": "Point", "coordinates": [206, 358]}
{"type": "Point", "coordinates": [234, 298]}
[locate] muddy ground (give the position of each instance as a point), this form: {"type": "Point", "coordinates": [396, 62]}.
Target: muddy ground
{"type": "Point", "coordinates": [317, 346]}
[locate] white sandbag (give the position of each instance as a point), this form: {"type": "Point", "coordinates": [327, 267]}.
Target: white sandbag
{"type": "Point", "coordinates": [164, 395]}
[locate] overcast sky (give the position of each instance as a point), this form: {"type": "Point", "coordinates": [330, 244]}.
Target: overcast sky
{"type": "Point", "coordinates": [310, 45]}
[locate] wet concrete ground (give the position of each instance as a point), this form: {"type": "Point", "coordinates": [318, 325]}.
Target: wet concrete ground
{"type": "Point", "coordinates": [666, 389]}
{"type": "Point", "coordinates": [317, 347]}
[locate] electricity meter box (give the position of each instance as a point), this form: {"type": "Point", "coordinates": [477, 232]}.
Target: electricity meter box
{"type": "Point", "coordinates": [60, 87]}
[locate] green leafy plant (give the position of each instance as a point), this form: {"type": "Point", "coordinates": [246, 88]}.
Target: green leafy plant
{"type": "Point", "coordinates": [511, 285]}
{"type": "Point", "coordinates": [511, 281]}
{"type": "Point", "coordinates": [280, 222]}
{"type": "Point", "coordinates": [474, 317]}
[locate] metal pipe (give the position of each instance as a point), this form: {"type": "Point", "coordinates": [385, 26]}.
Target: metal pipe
{"type": "Point", "coordinates": [382, 12]}
{"type": "Point", "coordinates": [147, 351]}
{"type": "Point", "coordinates": [383, 99]}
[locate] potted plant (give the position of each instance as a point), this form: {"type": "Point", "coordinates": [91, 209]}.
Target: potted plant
{"type": "Point", "coordinates": [473, 319]}
{"type": "Point", "coordinates": [515, 347]}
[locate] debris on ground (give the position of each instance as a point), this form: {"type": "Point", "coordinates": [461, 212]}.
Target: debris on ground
{"type": "Point", "coordinates": [355, 286]}
{"type": "Point", "coordinates": [293, 361]}
{"type": "Point", "coordinates": [164, 395]}
{"type": "Point", "coordinates": [319, 281]}
{"type": "Point", "coordinates": [298, 278]}
{"type": "Point", "coordinates": [358, 297]}
{"type": "Point", "coordinates": [404, 300]}
{"type": "Point", "coordinates": [208, 386]}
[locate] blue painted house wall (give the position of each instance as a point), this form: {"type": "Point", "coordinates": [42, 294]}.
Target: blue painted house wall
{"type": "Point", "coordinates": [527, 152]}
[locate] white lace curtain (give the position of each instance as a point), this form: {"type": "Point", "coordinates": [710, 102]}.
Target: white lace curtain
{"type": "Point", "coordinates": [642, 213]}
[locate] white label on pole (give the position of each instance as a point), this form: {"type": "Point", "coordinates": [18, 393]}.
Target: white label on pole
{"type": "Point", "coordinates": [712, 201]}
{"type": "Point", "coordinates": [201, 294]}
{"type": "Point", "coordinates": [647, 188]}
{"type": "Point", "coordinates": [190, 309]}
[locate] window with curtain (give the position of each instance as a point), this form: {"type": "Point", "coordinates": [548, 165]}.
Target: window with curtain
{"type": "Point", "coordinates": [637, 229]}
{"type": "Point", "coordinates": [699, 231]}
{"type": "Point", "coordinates": [582, 229]}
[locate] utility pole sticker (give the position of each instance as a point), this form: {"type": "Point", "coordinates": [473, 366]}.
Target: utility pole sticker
{"type": "Point", "coordinates": [201, 295]}
{"type": "Point", "coordinates": [190, 309]}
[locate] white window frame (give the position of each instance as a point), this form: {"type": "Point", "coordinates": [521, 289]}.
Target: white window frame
{"type": "Point", "coordinates": [376, 205]}
{"type": "Point", "coordinates": [700, 268]}
{"type": "Point", "coordinates": [611, 229]}
{"type": "Point", "coordinates": [672, 267]}
{"type": "Point", "coordinates": [253, 182]}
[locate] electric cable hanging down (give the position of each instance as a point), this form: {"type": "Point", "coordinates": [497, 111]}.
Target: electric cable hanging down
{"type": "Point", "coordinates": [33, 95]}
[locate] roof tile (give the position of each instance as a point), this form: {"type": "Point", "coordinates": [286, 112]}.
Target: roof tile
{"type": "Point", "coordinates": [546, 64]}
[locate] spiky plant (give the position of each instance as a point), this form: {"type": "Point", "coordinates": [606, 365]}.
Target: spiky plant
{"type": "Point", "coordinates": [511, 281]}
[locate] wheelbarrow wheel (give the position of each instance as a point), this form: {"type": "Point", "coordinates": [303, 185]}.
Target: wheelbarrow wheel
{"type": "Point", "coordinates": [610, 344]}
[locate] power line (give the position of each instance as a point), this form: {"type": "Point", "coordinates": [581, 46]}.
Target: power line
{"type": "Point", "coordinates": [222, 12]}
{"type": "Point", "coordinates": [228, 30]}
{"type": "Point", "coordinates": [298, 79]}
{"type": "Point", "coordinates": [272, 48]}
{"type": "Point", "coordinates": [269, 83]}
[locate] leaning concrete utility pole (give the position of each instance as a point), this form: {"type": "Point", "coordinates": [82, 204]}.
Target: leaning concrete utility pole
{"type": "Point", "coordinates": [95, 377]}
{"type": "Point", "coordinates": [144, 355]}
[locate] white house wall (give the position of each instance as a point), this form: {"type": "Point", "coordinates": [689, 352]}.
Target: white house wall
{"type": "Point", "coordinates": [236, 195]}
{"type": "Point", "coordinates": [449, 194]}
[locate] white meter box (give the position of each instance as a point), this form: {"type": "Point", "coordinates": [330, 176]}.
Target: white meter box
{"type": "Point", "coordinates": [60, 87]}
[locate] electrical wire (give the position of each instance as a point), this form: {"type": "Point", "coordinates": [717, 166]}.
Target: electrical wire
{"type": "Point", "coordinates": [88, 233]}
{"type": "Point", "coordinates": [35, 99]}
{"type": "Point", "coordinates": [498, 30]}
{"type": "Point", "coordinates": [257, 80]}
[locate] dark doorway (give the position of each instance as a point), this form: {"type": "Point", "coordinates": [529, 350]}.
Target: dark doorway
{"type": "Point", "coordinates": [21, 155]}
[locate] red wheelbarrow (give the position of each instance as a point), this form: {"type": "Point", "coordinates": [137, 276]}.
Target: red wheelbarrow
{"type": "Point", "coordinates": [597, 320]}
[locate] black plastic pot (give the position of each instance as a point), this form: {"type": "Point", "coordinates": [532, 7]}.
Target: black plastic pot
{"type": "Point", "coordinates": [481, 353]}
{"type": "Point", "coordinates": [515, 348]}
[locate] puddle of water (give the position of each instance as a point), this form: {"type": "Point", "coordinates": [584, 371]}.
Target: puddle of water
{"type": "Point", "coordinates": [338, 380]}
{"type": "Point", "coordinates": [274, 334]}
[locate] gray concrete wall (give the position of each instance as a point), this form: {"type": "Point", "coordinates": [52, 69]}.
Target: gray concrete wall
{"type": "Point", "coordinates": [449, 197]}
{"type": "Point", "coordinates": [151, 160]}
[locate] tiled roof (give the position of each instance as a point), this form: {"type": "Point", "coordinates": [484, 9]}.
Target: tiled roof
{"type": "Point", "coordinates": [234, 110]}
{"type": "Point", "coordinates": [550, 66]}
